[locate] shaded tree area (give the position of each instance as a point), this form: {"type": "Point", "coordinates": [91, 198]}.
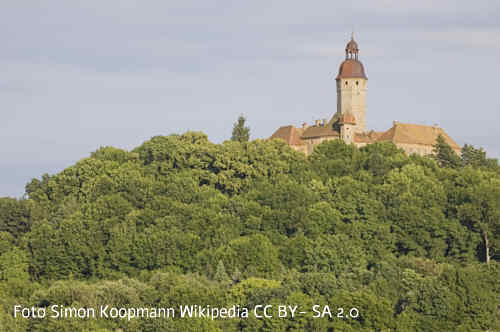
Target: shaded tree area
{"type": "Point", "coordinates": [444, 154]}
{"type": "Point", "coordinates": [476, 157]}
{"type": "Point", "coordinates": [411, 242]}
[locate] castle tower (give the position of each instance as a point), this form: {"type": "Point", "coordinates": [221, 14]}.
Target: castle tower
{"type": "Point", "coordinates": [351, 87]}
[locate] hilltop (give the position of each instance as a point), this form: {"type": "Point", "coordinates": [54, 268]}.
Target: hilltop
{"type": "Point", "coordinates": [411, 242]}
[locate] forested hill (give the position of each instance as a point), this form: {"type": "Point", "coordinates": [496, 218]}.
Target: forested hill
{"type": "Point", "coordinates": [411, 242]}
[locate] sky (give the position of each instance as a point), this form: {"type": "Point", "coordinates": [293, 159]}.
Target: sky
{"type": "Point", "coordinates": [78, 75]}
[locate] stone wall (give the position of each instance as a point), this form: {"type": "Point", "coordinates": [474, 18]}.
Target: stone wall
{"type": "Point", "coordinates": [351, 96]}
{"type": "Point", "coordinates": [409, 149]}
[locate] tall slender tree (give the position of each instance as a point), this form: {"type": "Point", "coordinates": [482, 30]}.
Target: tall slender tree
{"type": "Point", "coordinates": [241, 133]}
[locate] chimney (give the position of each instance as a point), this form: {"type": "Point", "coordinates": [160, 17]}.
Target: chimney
{"type": "Point", "coordinates": [317, 123]}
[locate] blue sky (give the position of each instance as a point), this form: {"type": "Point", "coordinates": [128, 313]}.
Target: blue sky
{"type": "Point", "coordinates": [79, 75]}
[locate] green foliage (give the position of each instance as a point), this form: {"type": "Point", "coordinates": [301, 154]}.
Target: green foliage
{"type": "Point", "coordinates": [253, 255]}
{"type": "Point", "coordinates": [411, 242]}
{"type": "Point", "coordinates": [14, 265]}
{"type": "Point", "coordinates": [477, 158]}
{"type": "Point", "coordinates": [15, 216]}
{"type": "Point", "coordinates": [444, 154]}
{"type": "Point", "coordinates": [221, 274]}
{"type": "Point", "coordinates": [241, 133]}
{"type": "Point", "coordinates": [6, 242]}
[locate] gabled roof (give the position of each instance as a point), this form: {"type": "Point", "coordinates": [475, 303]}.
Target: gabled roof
{"type": "Point", "coordinates": [369, 137]}
{"type": "Point", "coordinates": [408, 133]}
{"type": "Point", "coordinates": [320, 131]}
{"type": "Point", "coordinates": [289, 134]}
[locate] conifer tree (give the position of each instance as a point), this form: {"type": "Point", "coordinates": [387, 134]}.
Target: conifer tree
{"type": "Point", "coordinates": [444, 154]}
{"type": "Point", "coordinates": [477, 158]}
{"type": "Point", "coordinates": [221, 274]}
{"type": "Point", "coordinates": [241, 133]}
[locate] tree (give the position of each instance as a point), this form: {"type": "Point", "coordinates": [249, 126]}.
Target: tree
{"type": "Point", "coordinates": [241, 133]}
{"type": "Point", "coordinates": [14, 275]}
{"type": "Point", "coordinates": [254, 255]}
{"type": "Point", "coordinates": [472, 156]}
{"type": "Point", "coordinates": [220, 274]}
{"type": "Point", "coordinates": [15, 216]}
{"type": "Point", "coordinates": [444, 154]}
{"type": "Point", "coordinates": [477, 157]}
{"type": "Point", "coordinates": [183, 221]}
{"type": "Point", "coordinates": [481, 213]}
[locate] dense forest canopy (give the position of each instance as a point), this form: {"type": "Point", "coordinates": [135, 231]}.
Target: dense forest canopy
{"type": "Point", "coordinates": [412, 242]}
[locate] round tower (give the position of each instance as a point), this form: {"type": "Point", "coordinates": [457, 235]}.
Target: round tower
{"type": "Point", "coordinates": [351, 87]}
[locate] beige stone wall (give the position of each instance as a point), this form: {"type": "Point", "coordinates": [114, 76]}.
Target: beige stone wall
{"type": "Point", "coordinates": [409, 149]}
{"type": "Point", "coordinates": [347, 133]}
{"type": "Point", "coordinates": [312, 142]}
{"type": "Point", "coordinates": [351, 95]}
{"type": "Point", "coordinates": [419, 149]}
{"type": "Point", "coordinates": [300, 148]}
{"type": "Point", "coordinates": [359, 145]}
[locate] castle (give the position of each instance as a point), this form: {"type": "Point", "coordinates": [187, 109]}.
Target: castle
{"type": "Point", "coordinates": [349, 122]}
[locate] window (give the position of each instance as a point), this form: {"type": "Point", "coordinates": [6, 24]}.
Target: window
{"type": "Point", "coordinates": [357, 83]}
{"type": "Point", "coordinates": [346, 83]}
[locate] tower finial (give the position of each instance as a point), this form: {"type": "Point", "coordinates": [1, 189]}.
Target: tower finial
{"type": "Point", "coordinates": [351, 49]}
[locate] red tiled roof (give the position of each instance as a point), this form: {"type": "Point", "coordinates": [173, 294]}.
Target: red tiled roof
{"type": "Point", "coordinates": [408, 133]}
{"type": "Point", "coordinates": [369, 137]}
{"type": "Point", "coordinates": [289, 134]}
{"type": "Point", "coordinates": [347, 118]}
{"type": "Point", "coordinates": [320, 131]}
{"type": "Point", "coordinates": [351, 68]}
